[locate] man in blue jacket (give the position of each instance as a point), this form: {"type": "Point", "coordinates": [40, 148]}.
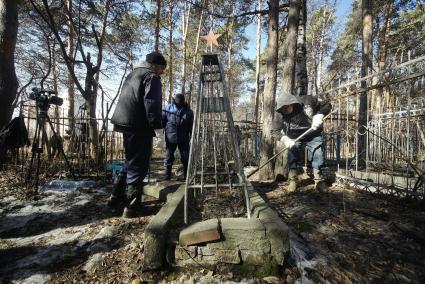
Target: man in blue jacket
{"type": "Point", "coordinates": [177, 119]}
{"type": "Point", "coordinates": [295, 115]}
{"type": "Point", "coordinates": [137, 115]}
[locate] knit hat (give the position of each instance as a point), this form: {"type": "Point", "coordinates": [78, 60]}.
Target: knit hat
{"type": "Point", "coordinates": [156, 58]}
{"type": "Point", "coordinates": [179, 98]}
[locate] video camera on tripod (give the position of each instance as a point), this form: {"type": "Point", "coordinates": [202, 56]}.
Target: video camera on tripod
{"type": "Point", "coordinates": [45, 98]}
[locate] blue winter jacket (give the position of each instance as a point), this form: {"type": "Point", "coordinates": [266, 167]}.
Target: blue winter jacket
{"type": "Point", "coordinates": [177, 122]}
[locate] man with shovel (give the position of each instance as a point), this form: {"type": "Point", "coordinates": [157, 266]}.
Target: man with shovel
{"type": "Point", "coordinates": [294, 116]}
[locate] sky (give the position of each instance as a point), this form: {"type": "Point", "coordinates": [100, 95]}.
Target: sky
{"type": "Point", "coordinates": [343, 9]}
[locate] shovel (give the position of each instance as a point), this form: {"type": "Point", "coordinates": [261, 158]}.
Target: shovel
{"type": "Point", "coordinates": [283, 150]}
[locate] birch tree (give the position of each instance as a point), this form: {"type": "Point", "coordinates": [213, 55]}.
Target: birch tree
{"type": "Point", "coordinates": [301, 81]}
{"type": "Point", "coordinates": [257, 66]}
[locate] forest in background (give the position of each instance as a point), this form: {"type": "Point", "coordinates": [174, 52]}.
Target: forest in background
{"type": "Point", "coordinates": [84, 49]}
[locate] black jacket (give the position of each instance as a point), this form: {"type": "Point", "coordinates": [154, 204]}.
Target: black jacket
{"type": "Point", "coordinates": [297, 122]}
{"type": "Point", "coordinates": [139, 106]}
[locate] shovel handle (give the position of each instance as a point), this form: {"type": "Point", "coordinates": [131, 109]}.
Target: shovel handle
{"type": "Point", "coordinates": [284, 149]}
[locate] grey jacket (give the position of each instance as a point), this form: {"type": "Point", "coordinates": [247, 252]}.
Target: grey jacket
{"type": "Point", "coordinates": [139, 107]}
{"type": "Point", "coordinates": [297, 122]}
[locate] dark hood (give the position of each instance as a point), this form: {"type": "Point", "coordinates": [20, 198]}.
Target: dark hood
{"type": "Point", "coordinates": [144, 64]}
{"type": "Point", "coordinates": [288, 99]}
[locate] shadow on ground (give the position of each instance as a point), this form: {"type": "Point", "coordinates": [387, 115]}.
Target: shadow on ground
{"type": "Point", "coordinates": [359, 236]}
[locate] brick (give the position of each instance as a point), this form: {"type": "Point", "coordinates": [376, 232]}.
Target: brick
{"type": "Point", "coordinates": [200, 232]}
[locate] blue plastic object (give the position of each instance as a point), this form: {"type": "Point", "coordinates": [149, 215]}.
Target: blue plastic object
{"type": "Point", "coordinates": [114, 167]}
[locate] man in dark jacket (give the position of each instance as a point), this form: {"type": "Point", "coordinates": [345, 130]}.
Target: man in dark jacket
{"type": "Point", "coordinates": [137, 115]}
{"type": "Point", "coordinates": [294, 116]}
{"type": "Point", "coordinates": [177, 119]}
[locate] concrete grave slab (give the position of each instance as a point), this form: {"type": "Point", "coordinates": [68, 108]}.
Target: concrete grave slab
{"type": "Point", "coordinates": [157, 230]}
{"type": "Point", "coordinates": [255, 246]}
{"type": "Point", "coordinates": [160, 190]}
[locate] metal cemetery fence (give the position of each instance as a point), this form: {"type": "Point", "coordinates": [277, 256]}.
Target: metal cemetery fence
{"type": "Point", "coordinates": [393, 159]}
{"type": "Point", "coordinates": [75, 141]}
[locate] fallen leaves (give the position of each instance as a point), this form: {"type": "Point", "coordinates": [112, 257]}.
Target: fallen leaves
{"type": "Point", "coordinates": [359, 235]}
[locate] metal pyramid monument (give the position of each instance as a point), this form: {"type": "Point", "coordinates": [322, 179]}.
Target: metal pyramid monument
{"type": "Point", "coordinates": [214, 160]}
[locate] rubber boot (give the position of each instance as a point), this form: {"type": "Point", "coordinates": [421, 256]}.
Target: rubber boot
{"type": "Point", "coordinates": [118, 195]}
{"type": "Point", "coordinates": [184, 171]}
{"type": "Point", "coordinates": [168, 172]}
{"type": "Point", "coordinates": [292, 179]}
{"type": "Point", "coordinates": [183, 176]}
{"type": "Point", "coordinates": [319, 184]}
{"type": "Point", "coordinates": [134, 201]}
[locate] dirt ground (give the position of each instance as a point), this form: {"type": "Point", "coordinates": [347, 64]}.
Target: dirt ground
{"type": "Point", "coordinates": [73, 237]}
{"type": "Point", "coordinates": [353, 236]}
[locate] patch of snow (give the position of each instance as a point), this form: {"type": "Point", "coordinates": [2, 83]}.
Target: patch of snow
{"type": "Point", "coordinates": [35, 279]}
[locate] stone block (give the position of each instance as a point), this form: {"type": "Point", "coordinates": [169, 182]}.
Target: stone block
{"type": "Point", "coordinates": [228, 256]}
{"type": "Point", "coordinates": [236, 225]}
{"type": "Point", "coordinates": [160, 190]}
{"type": "Point", "coordinates": [227, 243]}
{"type": "Point", "coordinates": [278, 235]}
{"type": "Point", "coordinates": [200, 232]}
{"type": "Point", "coordinates": [253, 257]}
{"type": "Point", "coordinates": [183, 253]}
{"type": "Point", "coordinates": [205, 251]}
{"type": "Point", "coordinates": [156, 231]}
{"type": "Point", "coordinates": [245, 233]}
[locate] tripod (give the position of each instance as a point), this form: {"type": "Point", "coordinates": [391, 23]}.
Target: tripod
{"type": "Point", "coordinates": [42, 105]}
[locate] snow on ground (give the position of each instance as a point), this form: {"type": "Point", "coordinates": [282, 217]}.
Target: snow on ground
{"type": "Point", "coordinates": [343, 236]}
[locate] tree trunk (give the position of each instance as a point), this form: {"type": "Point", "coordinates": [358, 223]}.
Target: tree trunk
{"type": "Point", "coordinates": [229, 60]}
{"type": "Point", "coordinates": [301, 64]}
{"type": "Point", "coordinates": [56, 120]}
{"type": "Point", "coordinates": [266, 149]}
{"type": "Point", "coordinates": [93, 131]}
{"type": "Point", "coordinates": [185, 28]}
{"type": "Point", "coordinates": [383, 51]}
{"type": "Point", "coordinates": [70, 52]}
{"type": "Point", "coordinates": [257, 67]}
{"type": "Point", "coordinates": [100, 43]}
{"type": "Point", "coordinates": [170, 68]}
{"type": "Point", "coordinates": [290, 47]}
{"type": "Point", "coordinates": [288, 71]}
{"type": "Point", "coordinates": [320, 48]}
{"type": "Point", "coordinates": [195, 55]}
{"type": "Point", "coordinates": [8, 80]}
{"type": "Point", "coordinates": [157, 24]}
{"type": "Point", "coordinates": [320, 56]}
{"type": "Point", "coordinates": [366, 67]}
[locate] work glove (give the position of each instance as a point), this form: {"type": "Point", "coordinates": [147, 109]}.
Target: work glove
{"type": "Point", "coordinates": [317, 121]}
{"type": "Point", "coordinates": [288, 142]}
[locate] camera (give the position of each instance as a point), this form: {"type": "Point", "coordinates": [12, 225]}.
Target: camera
{"type": "Point", "coordinates": [45, 98]}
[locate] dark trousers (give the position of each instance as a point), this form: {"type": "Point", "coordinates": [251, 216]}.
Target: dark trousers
{"type": "Point", "coordinates": [171, 149]}
{"type": "Point", "coordinates": [315, 157]}
{"type": "Point", "coordinates": [138, 151]}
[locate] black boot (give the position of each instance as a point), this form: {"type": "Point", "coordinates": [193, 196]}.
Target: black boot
{"type": "Point", "coordinates": [184, 171]}
{"type": "Point", "coordinates": [168, 172]}
{"type": "Point", "coordinates": [134, 201]}
{"type": "Point", "coordinates": [118, 195]}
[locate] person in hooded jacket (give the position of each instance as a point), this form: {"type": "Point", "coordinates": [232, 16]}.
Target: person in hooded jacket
{"type": "Point", "coordinates": [177, 119]}
{"type": "Point", "coordinates": [137, 114]}
{"type": "Point", "coordinates": [295, 115]}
